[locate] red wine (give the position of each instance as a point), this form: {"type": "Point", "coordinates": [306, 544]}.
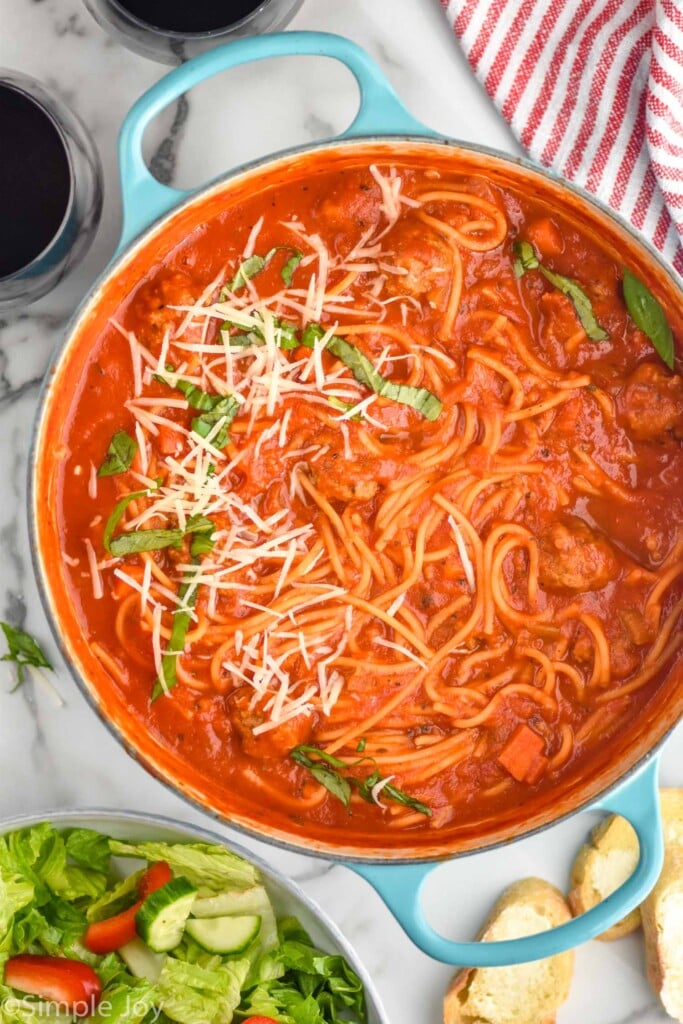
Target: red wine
{"type": "Point", "coordinates": [190, 15]}
{"type": "Point", "coordinates": [35, 180]}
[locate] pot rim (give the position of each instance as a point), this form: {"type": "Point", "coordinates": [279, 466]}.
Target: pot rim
{"type": "Point", "coordinates": [127, 253]}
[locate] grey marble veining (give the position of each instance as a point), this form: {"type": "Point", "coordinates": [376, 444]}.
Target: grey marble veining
{"type": "Point", "coordinates": [60, 757]}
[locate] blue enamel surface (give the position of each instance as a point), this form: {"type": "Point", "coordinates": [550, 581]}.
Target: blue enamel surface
{"type": "Point", "coordinates": [400, 887]}
{"type": "Point", "coordinates": [144, 201]}
{"type": "Point", "coordinates": [380, 111]}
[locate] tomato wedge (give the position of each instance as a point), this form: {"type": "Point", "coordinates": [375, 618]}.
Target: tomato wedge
{"type": "Point", "coordinates": [156, 875]}
{"type": "Point", "coordinates": [112, 933]}
{"type": "Point", "coordinates": [259, 1020]}
{"type": "Point", "coordinates": [72, 984]}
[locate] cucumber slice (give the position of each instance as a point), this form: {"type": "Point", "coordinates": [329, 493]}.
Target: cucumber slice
{"type": "Point", "coordinates": [238, 901]}
{"type": "Point", "coordinates": [224, 934]}
{"type": "Point", "coordinates": [160, 921]}
{"type": "Point", "coordinates": [141, 961]}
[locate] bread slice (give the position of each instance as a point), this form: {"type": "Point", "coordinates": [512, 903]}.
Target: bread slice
{"type": "Point", "coordinates": [663, 912]}
{"type": "Point", "coordinates": [671, 801]}
{"type": "Point", "coordinates": [524, 993]}
{"type": "Point", "coordinates": [601, 866]}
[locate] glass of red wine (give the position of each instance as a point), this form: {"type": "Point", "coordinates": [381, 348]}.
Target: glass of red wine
{"type": "Point", "coordinates": [50, 190]}
{"type": "Point", "coordinates": [175, 30]}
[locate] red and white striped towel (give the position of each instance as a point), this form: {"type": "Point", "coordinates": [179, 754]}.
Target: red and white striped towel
{"type": "Point", "coordinates": [593, 89]}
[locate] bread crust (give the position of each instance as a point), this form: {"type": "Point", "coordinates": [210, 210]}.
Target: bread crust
{"type": "Point", "coordinates": [602, 864]}
{"type": "Point", "coordinates": [662, 912]}
{"type": "Point", "coordinates": [525, 993]}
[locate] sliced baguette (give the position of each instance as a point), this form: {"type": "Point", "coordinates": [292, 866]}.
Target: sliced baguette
{"type": "Point", "coordinates": [662, 912]}
{"type": "Point", "coordinates": [524, 993]}
{"type": "Point", "coordinates": [672, 816]}
{"type": "Point", "coordinates": [601, 866]}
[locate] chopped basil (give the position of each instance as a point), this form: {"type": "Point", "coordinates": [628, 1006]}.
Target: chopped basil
{"type": "Point", "coordinates": [337, 403]}
{"type": "Point", "coordinates": [24, 651]}
{"type": "Point", "coordinates": [335, 783]}
{"type": "Point", "coordinates": [286, 336]}
{"type": "Point", "coordinates": [116, 516]}
{"type": "Point", "coordinates": [176, 644]}
{"type": "Point", "coordinates": [201, 544]}
{"type": "Point", "coordinates": [213, 408]}
{"type": "Point", "coordinates": [323, 767]}
{"type": "Point", "coordinates": [391, 792]}
{"type": "Point", "coordinates": [648, 315]}
{"type": "Point", "coordinates": [526, 259]}
{"type": "Point", "coordinates": [120, 454]}
{"type": "Point", "coordinates": [290, 266]}
{"type": "Point", "coordinates": [424, 401]}
{"type": "Point", "coordinates": [253, 265]}
{"type": "Point", "coordinates": [362, 743]}
{"type": "Point", "coordinates": [136, 541]}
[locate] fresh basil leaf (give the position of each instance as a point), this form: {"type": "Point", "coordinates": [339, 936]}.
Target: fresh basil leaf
{"type": "Point", "coordinates": [290, 266]}
{"type": "Point", "coordinates": [393, 793]}
{"type": "Point", "coordinates": [301, 755]}
{"type": "Point", "coordinates": [120, 454]}
{"type": "Point", "coordinates": [226, 409]}
{"type": "Point", "coordinates": [286, 336]}
{"type": "Point", "coordinates": [116, 516]}
{"type": "Point", "coordinates": [321, 766]}
{"type": "Point", "coordinates": [333, 782]}
{"type": "Point", "coordinates": [201, 544]}
{"type": "Point", "coordinates": [424, 401]}
{"type": "Point", "coordinates": [648, 315]}
{"type": "Point", "coordinates": [213, 408]}
{"type": "Point", "coordinates": [581, 303]}
{"type": "Point", "coordinates": [253, 265]}
{"type": "Point", "coordinates": [337, 403]}
{"type": "Point", "coordinates": [24, 651]}
{"type": "Point", "coordinates": [362, 743]}
{"type": "Point", "coordinates": [137, 541]}
{"type": "Point", "coordinates": [182, 618]}
{"type": "Point", "coordinates": [526, 259]}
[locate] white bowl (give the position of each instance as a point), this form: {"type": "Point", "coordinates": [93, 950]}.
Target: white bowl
{"type": "Point", "coordinates": [287, 897]}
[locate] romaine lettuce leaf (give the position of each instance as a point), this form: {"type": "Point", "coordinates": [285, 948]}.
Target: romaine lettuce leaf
{"type": "Point", "coordinates": [88, 848]}
{"type": "Point", "coordinates": [15, 893]}
{"type": "Point", "coordinates": [205, 865]}
{"type": "Point", "coordinates": [314, 987]}
{"type": "Point", "coordinates": [120, 897]}
{"type": "Point", "coordinates": [125, 1004]}
{"type": "Point", "coordinates": [39, 855]}
{"type": "Point", "coordinates": [189, 993]}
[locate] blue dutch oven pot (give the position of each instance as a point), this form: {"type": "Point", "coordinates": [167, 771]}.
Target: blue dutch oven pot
{"type": "Point", "coordinates": [399, 875]}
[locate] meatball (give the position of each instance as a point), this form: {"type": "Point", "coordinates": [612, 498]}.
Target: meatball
{"type": "Point", "coordinates": [574, 557]}
{"type": "Point", "coordinates": [424, 262]}
{"type": "Point", "coordinates": [276, 742]}
{"type": "Point", "coordinates": [652, 402]}
{"type": "Point", "coordinates": [155, 300]}
{"type": "Point", "coordinates": [336, 477]}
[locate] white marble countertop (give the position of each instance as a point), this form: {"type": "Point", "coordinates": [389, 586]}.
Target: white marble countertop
{"type": "Point", "coordinates": [57, 758]}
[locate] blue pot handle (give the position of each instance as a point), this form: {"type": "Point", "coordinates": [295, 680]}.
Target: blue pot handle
{"type": "Point", "coordinates": [380, 111]}
{"type": "Point", "coordinates": [400, 886]}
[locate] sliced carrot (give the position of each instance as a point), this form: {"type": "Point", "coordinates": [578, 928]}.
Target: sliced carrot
{"type": "Point", "coordinates": [522, 756]}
